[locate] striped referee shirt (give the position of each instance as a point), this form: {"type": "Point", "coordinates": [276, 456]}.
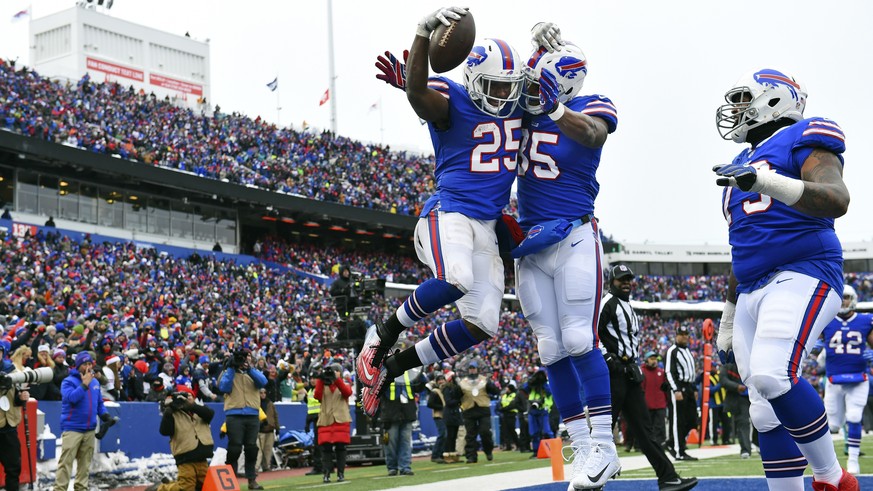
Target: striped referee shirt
{"type": "Point", "coordinates": [619, 328]}
{"type": "Point", "coordinates": [679, 367]}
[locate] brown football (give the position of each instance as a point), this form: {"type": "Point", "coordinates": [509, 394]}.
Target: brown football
{"type": "Point", "coordinates": [450, 45]}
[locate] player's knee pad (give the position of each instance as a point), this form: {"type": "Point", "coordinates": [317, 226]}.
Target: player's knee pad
{"type": "Point", "coordinates": [461, 276]}
{"type": "Point", "coordinates": [769, 385]}
{"type": "Point", "coordinates": [854, 414]}
{"type": "Point", "coordinates": [763, 417]}
{"type": "Point", "coordinates": [578, 338]}
{"type": "Point", "coordinates": [550, 350]}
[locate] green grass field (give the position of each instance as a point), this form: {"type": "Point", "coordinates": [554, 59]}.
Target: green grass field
{"type": "Point", "coordinates": [374, 478]}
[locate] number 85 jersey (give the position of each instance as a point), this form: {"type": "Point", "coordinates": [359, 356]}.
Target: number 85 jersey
{"type": "Point", "coordinates": [845, 340]}
{"type": "Point", "coordinates": [767, 235]}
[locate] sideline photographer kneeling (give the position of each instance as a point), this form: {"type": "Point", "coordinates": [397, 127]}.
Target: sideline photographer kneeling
{"type": "Point", "coordinates": [187, 425]}
{"type": "Point", "coordinates": [240, 382]}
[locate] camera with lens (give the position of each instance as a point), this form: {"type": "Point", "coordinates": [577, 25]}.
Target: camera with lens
{"type": "Point", "coordinates": [29, 376]}
{"type": "Point", "coordinates": [239, 359]}
{"type": "Point", "coordinates": [175, 401]}
{"type": "Point", "coordinates": [326, 375]}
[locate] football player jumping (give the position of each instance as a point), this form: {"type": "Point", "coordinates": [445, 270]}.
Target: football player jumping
{"type": "Point", "coordinates": [846, 388]}
{"type": "Point", "coordinates": [781, 196]}
{"type": "Point", "coordinates": [476, 134]}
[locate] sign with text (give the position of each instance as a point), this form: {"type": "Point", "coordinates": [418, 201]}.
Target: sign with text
{"type": "Point", "coordinates": [113, 69]}
{"type": "Point", "coordinates": [177, 85]}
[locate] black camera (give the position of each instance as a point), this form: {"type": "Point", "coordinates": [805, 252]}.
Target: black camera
{"type": "Point", "coordinates": [326, 375]}
{"type": "Point", "coordinates": [175, 401]}
{"type": "Point", "coordinates": [239, 359]}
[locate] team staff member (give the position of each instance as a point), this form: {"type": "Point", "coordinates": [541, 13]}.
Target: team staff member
{"type": "Point", "coordinates": [656, 400]}
{"type": "Point", "coordinates": [619, 332]}
{"type": "Point", "coordinates": [737, 403]}
{"type": "Point", "coordinates": [508, 409]}
{"type": "Point", "coordinates": [476, 409]}
{"type": "Point", "coordinates": [11, 400]}
{"type": "Point", "coordinates": [81, 404]}
{"type": "Point", "coordinates": [240, 382]}
{"type": "Point", "coordinates": [681, 373]}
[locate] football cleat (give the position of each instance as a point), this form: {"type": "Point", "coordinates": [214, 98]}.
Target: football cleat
{"type": "Point", "coordinates": [579, 455]}
{"type": "Point", "coordinates": [848, 482]}
{"type": "Point", "coordinates": [371, 358]}
{"type": "Point", "coordinates": [370, 396]}
{"type": "Point", "coordinates": [601, 465]}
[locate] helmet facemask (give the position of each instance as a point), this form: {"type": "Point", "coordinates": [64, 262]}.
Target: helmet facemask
{"type": "Point", "coordinates": [493, 77]}
{"type": "Point", "coordinates": [496, 95]}
{"type": "Point", "coordinates": [569, 66]}
{"type": "Point", "coordinates": [757, 99]}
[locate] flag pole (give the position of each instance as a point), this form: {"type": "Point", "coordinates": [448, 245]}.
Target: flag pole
{"type": "Point", "coordinates": [381, 125]}
{"type": "Point", "coordinates": [331, 71]}
{"type": "Point", "coordinates": [278, 110]}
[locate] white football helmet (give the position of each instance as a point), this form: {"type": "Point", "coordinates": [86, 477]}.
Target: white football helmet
{"type": "Point", "coordinates": [850, 300]}
{"type": "Point", "coordinates": [493, 77]}
{"type": "Point", "coordinates": [569, 66]}
{"type": "Point", "coordinates": [759, 97]}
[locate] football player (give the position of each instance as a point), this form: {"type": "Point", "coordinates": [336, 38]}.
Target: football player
{"type": "Point", "coordinates": [846, 387]}
{"type": "Point", "coordinates": [781, 196]}
{"type": "Point", "coordinates": [560, 281]}
{"type": "Point", "coordinates": [476, 132]}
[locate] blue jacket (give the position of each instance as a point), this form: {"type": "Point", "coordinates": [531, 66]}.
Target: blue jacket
{"type": "Point", "coordinates": [79, 407]}
{"type": "Point", "coordinates": [226, 385]}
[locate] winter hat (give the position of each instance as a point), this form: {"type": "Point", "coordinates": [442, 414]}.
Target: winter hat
{"type": "Point", "coordinates": [43, 348]}
{"type": "Point", "coordinates": [142, 366]}
{"type": "Point", "coordinates": [82, 358]}
{"type": "Point", "coordinates": [59, 352]}
{"type": "Point", "coordinates": [112, 359]}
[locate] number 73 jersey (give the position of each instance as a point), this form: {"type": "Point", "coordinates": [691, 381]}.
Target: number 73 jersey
{"type": "Point", "coordinates": [767, 235]}
{"type": "Point", "coordinates": [845, 341]}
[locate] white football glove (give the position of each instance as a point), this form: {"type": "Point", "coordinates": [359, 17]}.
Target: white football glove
{"type": "Point", "coordinates": [725, 340]}
{"type": "Point", "coordinates": [440, 16]}
{"type": "Point", "coordinates": [547, 35]}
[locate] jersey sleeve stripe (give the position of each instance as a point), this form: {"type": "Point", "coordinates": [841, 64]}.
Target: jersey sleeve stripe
{"type": "Point", "coordinates": [599, 110]}
{"type": "Point", "coordinates": [602, 103]}
{"type": "Point", "coordinates": [828, 124]}
{"type": "Point", "coordinates": [821, 131]}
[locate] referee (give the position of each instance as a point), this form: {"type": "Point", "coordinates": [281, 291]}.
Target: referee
{"type": "Point", "coordinates": [682, 408]}
{"type": "Point", "coordinates": [619, 332]}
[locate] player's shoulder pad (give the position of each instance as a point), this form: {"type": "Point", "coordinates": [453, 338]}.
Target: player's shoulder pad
{"type": "Point", "coordinates": [598, 106]}
{"type": "Point", "coordinates": [442, 85]}
{"type": "Point", "coordinates": [820, 133]}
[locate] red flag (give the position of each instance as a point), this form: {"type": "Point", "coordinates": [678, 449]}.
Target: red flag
{"type": "Point", "coordinates": [324, 98]}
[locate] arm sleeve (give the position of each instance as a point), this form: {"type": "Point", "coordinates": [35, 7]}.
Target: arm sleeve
{"type": "Point", "coordinates": [72, 390]}
{"type": "Point", "coordinates": [601, 107]}
{"type": "Point", "coordinates": [319, 389]}
{"type": "Point", "coordinates": [168, 424]}
{"type": "Point", "coordinates": [344, 388]}
{"type": "Point", "coordinates": [225, 383]}
{"type": "Point", "coordinates": [205, 412]}
{"type": "Point", "coordinates": [204, 388]}
{"type": "Point", "coordinates": [258, 378]}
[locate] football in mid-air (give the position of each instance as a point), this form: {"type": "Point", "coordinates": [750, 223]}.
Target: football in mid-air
{"type": "Point", "coordinates": [450, 45]}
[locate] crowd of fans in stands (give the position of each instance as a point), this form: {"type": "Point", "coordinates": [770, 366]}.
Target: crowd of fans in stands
{"type": "Point", "coordinates": [174, 320]}
{"type": "Point", "coordinates": [111, 119]}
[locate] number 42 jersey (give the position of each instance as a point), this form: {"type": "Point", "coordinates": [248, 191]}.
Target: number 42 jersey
{"type": "Point", "coordinates": [845, 341]}
{"type": "Point", "coordinates": [768, 236]}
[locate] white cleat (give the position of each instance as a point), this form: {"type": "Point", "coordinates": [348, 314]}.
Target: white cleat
{"type": "Point", "coordinates": [578, 456]}
{"type": "Point", "coordinates": [601, 465]}
{"type": "Point", "coordinates": [853, 467]}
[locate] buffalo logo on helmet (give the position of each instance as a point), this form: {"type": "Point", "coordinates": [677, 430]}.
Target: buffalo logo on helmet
{"type": "Point", "coordinates": [476, 56]}
{"type": "Point", "coordinates": [772, 78]}
{"type": "Point", "coordinates": [570, 66]}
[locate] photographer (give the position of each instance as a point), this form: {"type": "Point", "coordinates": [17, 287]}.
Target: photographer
{"type": "Point", "coordinates": [11, 400]}
{"type": "Point", "coordinates": [539, 396]}
{"type": "Point", "coordinates": [334, 420]}
{"type": "Point", "coordinates": [187, 425]}
{"type": "Point", "coordinates": [81, 404]}
{"type": "Point", "coordinates": [240, 382]}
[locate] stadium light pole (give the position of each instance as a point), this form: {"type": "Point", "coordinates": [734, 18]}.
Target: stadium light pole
{"type": "Point", "coordinates": [331, 71]}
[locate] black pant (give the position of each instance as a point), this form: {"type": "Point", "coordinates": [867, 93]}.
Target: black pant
{"type": "Point", "coordinates": [659, 424]}
{"type": "Point", "coordinates": [327, 451]}
{"type": "Point", "coordinates": [508, 436]}
{"type": "Point", "coordinates": [739, 409]}
{"type": "Point", "coordinates": [477, 421]}
{"type": "Point", "coordinates": [10, 457]}
{"type": "Point", "coordinates": [682, 418]}
{"type": "Point", "coordinates": [720, 417]}
{"type": "Point", "coordinates": [312, 419]}
{"type": "Point", "coordinates": [242, 431]}
{"type": "Point", "coordinates": [524, 436]}
{"type": "Point", "coordinates": [451, 439]}
{"type": "Point", "coordinates": [629, 399]}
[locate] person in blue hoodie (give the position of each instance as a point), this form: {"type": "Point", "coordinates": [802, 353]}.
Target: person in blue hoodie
{"type": "Point", "coordinates": [81, 405]}
{"type": "Point", "coordinates": [241, 382]}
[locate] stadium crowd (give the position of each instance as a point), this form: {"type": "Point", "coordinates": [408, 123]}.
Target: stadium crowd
{"type": "Point", "coordinates": [110, 119]}
{"type": "Point", "coordinates": [174, 319]}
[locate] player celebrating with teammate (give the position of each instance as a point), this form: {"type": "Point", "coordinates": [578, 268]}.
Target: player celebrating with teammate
{"type": "Point", "coordinates": [846, 369]}
{"type": "Point", "coordinates": [780, 200]}
{"type": "Point", "coordinates": [560, 280]}
{"type": "Point", "coordinates": [476, 133]}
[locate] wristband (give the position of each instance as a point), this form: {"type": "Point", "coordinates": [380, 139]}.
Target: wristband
{"type": "Point", "coordinates": [422, 30]}
{"type": "Point", "coordinates": [558, 112]}
{"type": "Point", "coordinates": [785, 189]}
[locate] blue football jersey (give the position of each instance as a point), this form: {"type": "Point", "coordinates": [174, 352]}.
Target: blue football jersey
{"type": "Point", "coordinates": [475, 157]}
{"type": "Point", "coordinates": [845, 341]}
{"type": "Point", "coordinates": [767, 235]}
{"type": "Point", "coordinates": [557, 176]}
